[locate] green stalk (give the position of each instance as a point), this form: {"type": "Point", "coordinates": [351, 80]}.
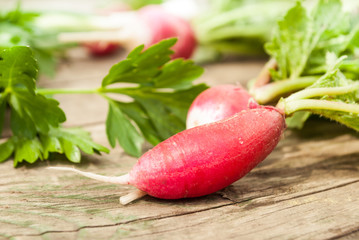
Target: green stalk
{"type": "Point", "coordinates": [273, 91]}
{"type": "Point", "coordinates": [313, 104]}
{"type": "Point", "coordinates": [317, 92]}
{"type": "Point", "coordinates": [101, 90]}
{"type": "Point", "coordinates": [244, 12]}
{"type": "Point", "coordinates": [54, 91]}
{"type": "Point", "coordinates": [261, 31]}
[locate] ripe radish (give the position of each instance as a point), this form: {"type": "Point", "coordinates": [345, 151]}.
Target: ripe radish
{"type": "Point", "coordinates": [104, 48]}
{"type": "Point", "coordinates": [203, 159]}
{"type": "Point", "coordinates": [163, 25]}
{"type": "Point", "coordinates": [99, 49]}
{"type": "Point", "coordinates": [217, 103]}
{"type": "Point", "coordinates": [129, 29]}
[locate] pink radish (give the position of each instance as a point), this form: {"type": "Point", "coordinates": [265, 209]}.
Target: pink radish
{"type": "Point", "coordinates": [99, 49]}
{"type": "Point", "coordinates": [203, 159]}
{"type": "Point", "coordinates": [217, 103]}
{"type": "Point", "coordinates": [164, 25]}
{"type": "Point", "coordinates": [129, 29]}
{"type": "Point", "coordinates": [104, 48]}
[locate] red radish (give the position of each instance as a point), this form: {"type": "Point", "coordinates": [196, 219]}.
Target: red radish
{"type": "Point", "coordinates": [99, 49]}
{"type": "Point", "coordinates": [164, 25]}
{"type": "Point", "coordinates": [217, 103]}
{"type": "Point", "coordinates": [204, 159]}
{"type": "Point", "coordinates": [103, 48]}
{"type": "Point", "coordinates": [148, 25]}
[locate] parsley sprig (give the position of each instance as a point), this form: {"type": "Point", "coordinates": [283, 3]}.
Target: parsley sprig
{"type": "Point", "coordinates": [35, 120]}
{"type": "Point", "coordinates": [160, 90]}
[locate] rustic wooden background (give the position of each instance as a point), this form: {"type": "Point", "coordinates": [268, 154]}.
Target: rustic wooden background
{"type": "Point", "coordinates": [308, 188]}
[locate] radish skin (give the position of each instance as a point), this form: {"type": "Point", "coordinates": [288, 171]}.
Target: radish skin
{"type": "Point", "coordinates": [217, 103]}
{"type": "Point", "coordinates": [99, 49]}
{"type": "Point", "coordinates": [204, 159]}
{"type": "Point", "coordinates": [164, 25]}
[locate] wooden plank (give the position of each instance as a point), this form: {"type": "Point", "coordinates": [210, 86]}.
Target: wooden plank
{"type": "Point", "coordinates": [292, 194]}
{"type": "Point", "coordinates": [306, 189]}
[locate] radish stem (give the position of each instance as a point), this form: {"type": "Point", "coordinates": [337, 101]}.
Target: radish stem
{"type": "Point", "coordinates": [317, 92]}
{"type": "Point", "coordinates": [290, 107]}
{"type": "Point", "coordinates": [264, 76]}
{"type": "Point", "coordinates": [274, 90]}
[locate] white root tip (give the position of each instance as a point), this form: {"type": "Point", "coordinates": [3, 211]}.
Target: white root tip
{"type": "Point", "coordinates": [124, 179]}
{"type": "Point", "coordinates": [132, 196]}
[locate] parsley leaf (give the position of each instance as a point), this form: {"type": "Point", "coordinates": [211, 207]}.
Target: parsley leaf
{"type": "Point", "coordinates": [119, 127]}
{"type": "Point", "coordinates": [18, 72]}
{"type": "Point", "coordinates": [18, 69]}
{"type": "Point", "coordinates": [161, 96]}
{"type": "Point", "coordinates": [35, 120]}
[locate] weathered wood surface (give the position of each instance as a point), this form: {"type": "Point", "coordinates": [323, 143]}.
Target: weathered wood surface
{"type": "Point", "coordinates": [308, 188]}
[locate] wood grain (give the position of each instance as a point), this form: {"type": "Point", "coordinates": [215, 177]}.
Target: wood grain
{"type": "Point", "coordinates": [308, 188]}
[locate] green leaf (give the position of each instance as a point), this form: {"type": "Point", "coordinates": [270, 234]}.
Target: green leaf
{"type": "Point", "coordinates": [162, 94]}
{"type": "Point", "coordinates": [30, 112]}
{"type": "Point", "coordinates": [166, 122]}
{"type": "Point", "coordinates": [71, 151]}
{"type": "Point", "coordinates": [28, 150]}
{"type": "Point", "coordinates": [18, 28]}
{"type": "Point", "coordinates": [138, 114]}
{"type": "Point", "coordinates": [35, 120]}
{"type": "Point", "coordinates": [78, 137]}
{"type": "Point", "coordinates": [18, 68]}
{"type": "Point", "coordinates": [119, 128]}
{"type": "Point", "coordinates": [50, 144]}
{"type": "Point", "coordinates": [36, 111]}
{"type": "Point", "coordinates": [347, 100]}
{"type": "Point", "coordinates": [137, 4]}
{"type": "Point", "coordinates": [178, 74]}
{"type": "Point", "coordinates": [141, 66]}
{"type": "Point", "coordinates": [291, 43]}
{"type": "Point", "coordinates": [297, 120]}
{"type": "Point", "coordinates": [301, 40]}
{"type": "Point", "coordinates": [6, 149]}
{"type": "Point", "coordinates": [21, 126]}
{"type": "Point", "coordinates": [2, 112]}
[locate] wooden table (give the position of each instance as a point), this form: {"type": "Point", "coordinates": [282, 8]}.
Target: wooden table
{"type": "Point", "coordinates": [308, 188]}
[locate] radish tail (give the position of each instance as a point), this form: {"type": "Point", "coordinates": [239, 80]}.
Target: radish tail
{"type": "Point", "coordinates": [124, 179]}
{"type": "Point", "coordinates": [132, 196]}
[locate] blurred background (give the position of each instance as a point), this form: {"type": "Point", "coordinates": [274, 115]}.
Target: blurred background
{"type": "Point", "coordinates": [207, 30]}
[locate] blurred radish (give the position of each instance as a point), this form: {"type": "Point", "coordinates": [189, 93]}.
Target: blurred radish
{"type": "Point", "coordinates": [148, 25]}
{"type": "Point", "coordinates": [164, 25]}
{"type": "Point", "coordinates": [217, 103]}
{"type": "Point", "coordinates": [103, 48]}
{"type": "Point", "coordinates": [204, 159]}
{"type": "Point", "coordinates": [99, 49]}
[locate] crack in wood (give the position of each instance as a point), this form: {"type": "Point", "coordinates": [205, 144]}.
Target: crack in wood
{"type": "Point", "coordinates": [320, 191]}
{"type": "Point", "coordinates": [133, 221]}
{"type": "Point", "coordinates": [345, 234]}
{"type": "Point", "coordinates": [232, 203]}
